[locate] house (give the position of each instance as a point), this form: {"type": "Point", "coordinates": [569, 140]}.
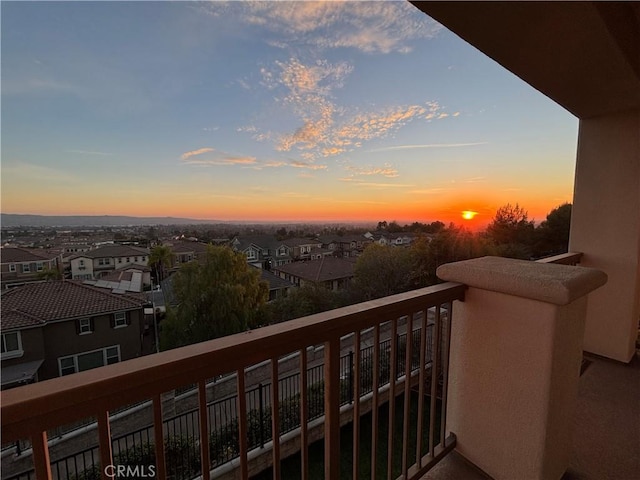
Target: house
{"type": "Point", "coordinates": [53, 329]}
{"type": "Point", "coordinates": [345, 246]}
{"type": "Point", "coordinates": [263, 251]}
{"type": "Point", "coordinates": [23, 265]}
{"type": "Point", "coordinates": [334, 273]}
{"type": "Point", "coordinates": [278, 287]}
{"type": "Point", "coordinates": [301, 247]}
{"type": "Point", "coordinates": [184, 252]}
{"type": "Point", "coordinates": [101, 261]}
{"type": "Point", "coordinates": [129, 279]}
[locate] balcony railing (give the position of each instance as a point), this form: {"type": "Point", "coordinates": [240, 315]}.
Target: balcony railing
{"type": "Point", "coordinates": [32, 410]}
{"type": "Point", "coordinates": [563, 259]}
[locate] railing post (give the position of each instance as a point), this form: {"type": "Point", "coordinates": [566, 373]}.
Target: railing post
{"type": "Point", "coordinates": [332, 408]}
{"type": "Point", "coordinates": [516, 352]}
{"type": "Point", "coordinates": [350, 376]}
{"type": "Point", "coordinates": [261, 405]}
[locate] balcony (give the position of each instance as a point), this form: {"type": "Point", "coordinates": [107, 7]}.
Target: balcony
{"type": "Point", "coordinates": [334, 353]}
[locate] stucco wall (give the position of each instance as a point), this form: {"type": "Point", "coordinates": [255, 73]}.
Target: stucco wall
{"type": "Point", "coordinates": [605, 226]}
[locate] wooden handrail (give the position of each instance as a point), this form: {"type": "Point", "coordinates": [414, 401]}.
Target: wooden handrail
{"type": "Point", "coordinates": [32, 409]}
{"type": "Point", "coordinates": [563, 259]}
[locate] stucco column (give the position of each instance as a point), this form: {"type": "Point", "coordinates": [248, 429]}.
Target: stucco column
{"type": "Point", "coordinates": [516, 349]}
{"type": "Point", "coordinates": [605, 227]}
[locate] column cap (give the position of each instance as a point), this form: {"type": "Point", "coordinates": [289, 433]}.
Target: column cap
{"type": "Point", "coordinates": [546, 282]}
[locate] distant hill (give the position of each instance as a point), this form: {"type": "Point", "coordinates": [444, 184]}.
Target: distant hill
{"type": "Point", "coordinates": [15, 220]}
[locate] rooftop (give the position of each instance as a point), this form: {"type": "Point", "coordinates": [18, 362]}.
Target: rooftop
{"type": "Point", "coordinates": [323, 270]}
{"type": "Point", "coordinates": [16, 255]}
{"type": "Point", "coordinates": [38, 303]}
{"type": "Point", "coordinates": [113, 251]}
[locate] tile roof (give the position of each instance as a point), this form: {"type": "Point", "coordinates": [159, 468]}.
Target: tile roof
{"type": "Point", "coordinates": [325, 269]}
{"type": "Point", "coordinates": [265, 242]}
{"type": "Point", "coordinates": [114, 251]}
{"type": "Point", "coordinates": [188, 247]}
{"type": "Point", "coordinates": [37, 303]}
{"type": "Point", "coordinates": [296, 242]}
{"type": "Point", "coordinates": [17, 255]}
{"type": "Point", "coordinates": [274, 281]}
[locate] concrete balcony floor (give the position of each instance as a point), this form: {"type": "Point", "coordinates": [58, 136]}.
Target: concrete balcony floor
{"type": "Point", "coordinates": [606, 437]}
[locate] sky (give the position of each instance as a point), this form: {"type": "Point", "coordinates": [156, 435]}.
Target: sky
{"type": "Point", "coordinates": [268, 111]}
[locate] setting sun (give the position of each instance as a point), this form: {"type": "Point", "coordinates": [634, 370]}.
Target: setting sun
{"type": "Point", "coordinates": [468, 214]}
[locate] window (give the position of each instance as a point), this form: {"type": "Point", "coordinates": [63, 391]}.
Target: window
{"type": "Point", "coordinates": [119, 320]}
{"type": "Point", "coordinates": [136, 259]}
{"type": "Point", "coordinates": [12, 267]}
{"type": "Point", "coordinates": [84, 326]}
{"type": "Point", "coordinates": [26, 268]}
{"type": "Point", "coordinates": [39, 266]}
{"type": "Point", "coordinates": [143, 259]}
{"type": "Point", "coordinates": [128, 259]}
{"type": "Point", "coordinates": [112, 355]}
{"type": "Point", "coordinates": [251, 254]}
{"type": "Point", "coordinates": [11, 345]}
{"type": "Point", "coordinates": [81, 263]}
{"type": "Point", "coordinates": [119, 260]}
{"type": "Point", "coordinates": [104, 261]}
{"type": "Point", "coordinates": [67, 366]}
{"type": "Point", "coordinates": [88, 360]}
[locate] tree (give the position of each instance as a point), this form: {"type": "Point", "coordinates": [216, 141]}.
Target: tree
{"type": "Point", "coordinates": [451, 244]}
{"type": "Point", "coordinates": [160, 260]}
{"type": "Point", "coordinates": [49, 274]}
{"type": "Point", "coordinates": [512, 232]}
{"type": "Point", "coordinates": [218, 296]}
{"type": "Point", "coordinates": [310, 298]}
{"type": "Point", "coordinates": [383, 270]}
{"type": "Point", "coordinates": [552, 235]}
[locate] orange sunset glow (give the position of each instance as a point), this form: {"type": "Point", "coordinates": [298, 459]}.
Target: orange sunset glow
{"type": "Point", "coordinates": [407, 123]}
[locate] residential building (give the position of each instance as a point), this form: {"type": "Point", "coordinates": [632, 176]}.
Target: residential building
{"type": "Point", "coordinates": [184, 252]}
{"type": "Point", "coordinates": [345, 246]}
{"type": "Point", "coordinates": [301, 247]}
{"type": "Point", "coordinates": [57, 328]}
{"type": "Point", "coordinates": [334, 273]}
{"type": "Point", "coordinates": [278, 287]}
{"type": "Point", "coordinates": [129, 279]}
{"type": "Point", "coordinates": [23, 265]}
{"type": "Point", "coordinates": [101, 261]}
{"type": "Point", "coordinates": [263, 251]}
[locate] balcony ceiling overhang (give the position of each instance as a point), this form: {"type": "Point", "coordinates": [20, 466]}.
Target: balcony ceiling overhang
{"type": "Point", "coordinates": [583, 55]}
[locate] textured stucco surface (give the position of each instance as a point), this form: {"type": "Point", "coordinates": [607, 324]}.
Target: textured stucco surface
{"type": "Point", "coordinates": [556, 284]}
{"type": "Point", "coordinates": [605, 227]}
{"type": "Point", "coordinates": [516, 349]}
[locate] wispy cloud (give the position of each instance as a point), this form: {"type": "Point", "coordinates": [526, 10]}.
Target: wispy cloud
{"type": "Point", "coordinates": [30, 171]}
{"type": "Point", "coordinates": [428, 191]}
{"type": "Point", "coordinates": [193, 153]}
{"type": "Point", "coordinates": [327, 129]}
{"type": "Point", "coordinates": [243, 161]}
{"type": "Point", "coordinates": [90, 152]}
{"type": "Point", "coordinates": [371, 27]}
{"type": "Point", "coordinates": [361, 183]}
{"type": "Point", "coordinates": [427, 145]}
{"type": "Point", "coordinates": [310, 166]}
{"type": "Point", "coordinates": [294, 195]}
{"type": "Point", "coordinates": [385, 171]}
{"type": "Point", "coordinates": [475, 179]}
